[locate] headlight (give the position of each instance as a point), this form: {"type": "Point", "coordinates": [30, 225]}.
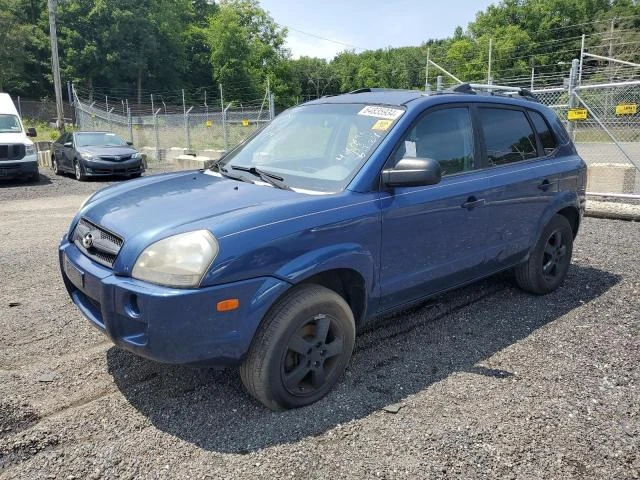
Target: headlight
{"type": "Point", "coordinates": [29, 149]}
{"type": "Point", "coordinates": [87, 156]}
{"type": "Point", "coordinates": [179, 261]}
{"type": "Point", "coordinates": [136, 155]}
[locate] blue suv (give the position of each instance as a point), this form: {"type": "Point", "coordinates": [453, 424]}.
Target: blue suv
{"type": "Point", "coordinates": [341, 209]}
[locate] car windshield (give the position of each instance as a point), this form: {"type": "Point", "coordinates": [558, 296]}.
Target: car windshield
{"type": "Point", "coordinates": [317, 148]}
{"type": "Point", "coordinates": [9, 123]}
{"type": "Point", "coordinates": [99, 140]}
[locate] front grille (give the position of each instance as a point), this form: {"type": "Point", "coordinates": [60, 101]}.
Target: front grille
{"type": "Point", "coordinates": [14, 151]}
{"type": "Point", "coordinates": [96, 242]}
{"type": "Point", "coordinates": [115, 158]}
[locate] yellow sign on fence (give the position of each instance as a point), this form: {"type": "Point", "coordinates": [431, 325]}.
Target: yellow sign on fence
{"type": "Point", "coordinates": [577, 114]}
{"type": "Point", "coordinates": [245, 123]}
{"type": "Point", "coordinates": [208, 123]}
{"type": "Point", "coordinates": [626, 109]}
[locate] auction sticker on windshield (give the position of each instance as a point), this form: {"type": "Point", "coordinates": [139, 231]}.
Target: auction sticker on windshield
{"type": "Point", "coordinates": [382, 125]}
{"type": "Point", "coordinates": [381, 112]}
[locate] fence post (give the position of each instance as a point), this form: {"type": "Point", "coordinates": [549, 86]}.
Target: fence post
{"type": "Point", "coordinates": [130, 122]}
{"type": "Point", "coordinates": [156, 134]}
{"type": "Point", "coordinates": [272, 108]}
{"type": "Point", "coordinates": [439, 83]}
{"type": "Point", "coordinates": [223, 112]}
{"type": "Point", "coordinates": [573, 101]}
{"type": "Point", "coordinates": [186, 129]}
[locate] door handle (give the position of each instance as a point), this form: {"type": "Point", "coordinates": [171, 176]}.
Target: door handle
{"type": "Point", "coordinates": [544, 186]}
{"type": "Point", "coordinates": [473, 202]}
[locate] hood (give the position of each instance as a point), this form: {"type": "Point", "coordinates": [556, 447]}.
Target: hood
{"type": "Point", "coordinates": [161, 205]}
{"type": "Point", "coordinates": [15, 137]}
{"type": "Point", "coordinates": [108, 151]}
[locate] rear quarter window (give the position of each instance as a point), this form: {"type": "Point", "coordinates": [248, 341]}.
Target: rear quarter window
{"type": "Point", "coordinates": [545, 134]}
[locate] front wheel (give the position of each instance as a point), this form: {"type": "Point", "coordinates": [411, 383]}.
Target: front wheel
{"type": "Point", "coordinates": [77, 170]}
{"type": "Point", "coordinates": [301, 349]}
{"type": "Point", "coordinates": [549, 262]}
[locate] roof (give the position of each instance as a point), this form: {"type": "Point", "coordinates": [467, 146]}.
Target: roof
{"type": "Point", "coordinates": [373, 96]}
{"type": "Point", "coordinates": [6, 105]}
{"type": "Point", "coordinates": [464, 93]}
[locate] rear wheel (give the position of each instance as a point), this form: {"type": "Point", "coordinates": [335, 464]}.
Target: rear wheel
{"type": "Point", "coordinates": [55, 166]}
{"type": "Point", "coordinates": [549, 262]}
{"type": "Point", "coordinates": [301, 350]}
{"type": "Point", "coordinates": [77, 170]}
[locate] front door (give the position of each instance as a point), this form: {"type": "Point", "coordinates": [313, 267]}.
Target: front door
{"type": "Point", "coordinates": [434, 237]}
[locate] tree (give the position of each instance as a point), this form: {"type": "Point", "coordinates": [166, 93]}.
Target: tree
{"type": "Point", "coordinates": [246, 46]}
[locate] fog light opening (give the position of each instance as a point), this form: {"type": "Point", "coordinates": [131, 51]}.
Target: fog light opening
{"type": "Point", "coordinates": [132, 307]}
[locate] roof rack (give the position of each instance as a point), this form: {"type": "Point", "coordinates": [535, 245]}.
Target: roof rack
{"type": "Point", "coordinates": [473, 88]}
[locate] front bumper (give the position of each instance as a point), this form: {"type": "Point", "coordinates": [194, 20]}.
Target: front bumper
{"type": "Point", "coordinates": [165, 324]}
{"type": "Point", "coordinates": [97, 168]}
{"type": "Point", "coordinates": [27, 167]}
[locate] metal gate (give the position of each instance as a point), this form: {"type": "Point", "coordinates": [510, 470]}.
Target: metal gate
{"type": "Point", "coordinates": [604, 122]}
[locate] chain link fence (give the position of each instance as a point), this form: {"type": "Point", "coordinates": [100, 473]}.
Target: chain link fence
{"type": "Point", "coordinates": [605, 126]}
{"type": "Point", "coordinates": [163, 136]}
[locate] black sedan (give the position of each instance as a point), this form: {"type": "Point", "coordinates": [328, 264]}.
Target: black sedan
{"type": "Point", "coordinates": [95, 154]}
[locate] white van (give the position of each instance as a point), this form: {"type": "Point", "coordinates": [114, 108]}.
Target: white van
{"type": "Point", "coordinates": [18, 157]}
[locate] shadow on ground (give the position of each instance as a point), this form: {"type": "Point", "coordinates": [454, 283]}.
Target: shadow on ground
{"type": "Point", "coordinates": [395, 357]}
{"type": "Point", "coordinates": [21, 182]}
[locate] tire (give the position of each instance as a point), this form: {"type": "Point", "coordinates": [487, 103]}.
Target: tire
{"type": "Point", "coordinates": [77, 171]}
{"type": "Point", "coordinates": [55, 166]}
{"type": "Point", "coordinates": [549, 262]}
{"type": "Point", "coordinates": [36, 176]}
{"type": "Point", "coordinates": [301, 349]}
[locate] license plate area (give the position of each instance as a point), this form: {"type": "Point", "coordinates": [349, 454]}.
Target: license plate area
{"type": "Point", "coordinates": [74, 275]}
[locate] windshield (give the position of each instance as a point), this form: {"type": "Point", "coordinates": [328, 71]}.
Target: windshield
{"type": "Point", "coordinates": [315, 147]}
{"type": "Point", "coordinates": [9, 124]}
{"type": "Point", "coordinates": [99, 140]}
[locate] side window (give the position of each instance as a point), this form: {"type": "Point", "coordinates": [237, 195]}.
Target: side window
{"type": "Point", "coordinates": [508, 136]}
{"type": "Point", "coordinates": [61, 139]}
{"type": "Point", "coordinates": [444, 135]}
{"type": "Point", "coordinates": [544, 132]}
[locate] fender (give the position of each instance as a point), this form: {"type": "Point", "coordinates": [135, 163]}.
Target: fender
{"type": "Point", "coordinates": [341, 256]}
{"type": "Point", "coordinates": [560, 201]}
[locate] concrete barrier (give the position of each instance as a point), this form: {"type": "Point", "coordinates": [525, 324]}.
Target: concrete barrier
{"type": "Point", "coordinates": [611, 178]}
{"type": "Point", "coordinates": [44, 158]}
{"type": "Point", "coordinates": [191, 162]}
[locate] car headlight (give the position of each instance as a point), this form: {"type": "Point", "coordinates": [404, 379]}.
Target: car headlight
{"type": "Point", "coordinates": [87, 156]}
{"type": "Point", "coordinates": [178, 261]}
{"type": "Point", "coordinates": [29, 149]}
{"type": "Point", "coordinates": [136, 155]}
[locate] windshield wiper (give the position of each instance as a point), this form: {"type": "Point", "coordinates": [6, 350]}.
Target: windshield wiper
{"type": "Point", "coordinates": [267, 177]}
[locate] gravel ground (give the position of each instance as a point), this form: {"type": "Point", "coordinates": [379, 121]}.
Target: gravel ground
{"type": "Point", "coordinates": [486, 381]}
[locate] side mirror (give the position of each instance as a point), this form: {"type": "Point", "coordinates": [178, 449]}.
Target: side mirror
{"type": "Point", "coordinates": [68, 144]}
{"type": "Point", "coordinates": [31, 132]}
{"type": "Point", "coordinates": [413, 172]}
{"type": "Point", "coordinates": [130, 144]}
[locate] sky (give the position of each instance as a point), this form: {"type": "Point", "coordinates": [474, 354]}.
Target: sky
{"type": "Point", "coordinates": [367, 24]}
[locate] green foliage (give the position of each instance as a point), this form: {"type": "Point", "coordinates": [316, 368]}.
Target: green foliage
{"type": "Point", "coordinates": [165, 45]}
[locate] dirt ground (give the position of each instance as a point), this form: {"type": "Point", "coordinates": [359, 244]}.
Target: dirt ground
{"type": "Point", "coordinates": [486, 381]}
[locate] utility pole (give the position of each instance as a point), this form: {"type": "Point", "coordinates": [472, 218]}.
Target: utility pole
{"type": "Point", "coordinates": [489, 81]}
{"type": "Point", "coordinates": [55, 64]}
{"type": "Point", "coordinates": [426, 72]}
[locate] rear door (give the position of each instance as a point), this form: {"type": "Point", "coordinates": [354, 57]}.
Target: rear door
{"type": "Point", "coordinates": [434, 237]}
{"type": "Point", "coordinates": [521, 176]}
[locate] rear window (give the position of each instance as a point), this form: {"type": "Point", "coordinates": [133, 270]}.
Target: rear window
{"type": "Point", "coordinates": [508, 136]}
{"type": "Point", "coordinates": [544, 132]}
